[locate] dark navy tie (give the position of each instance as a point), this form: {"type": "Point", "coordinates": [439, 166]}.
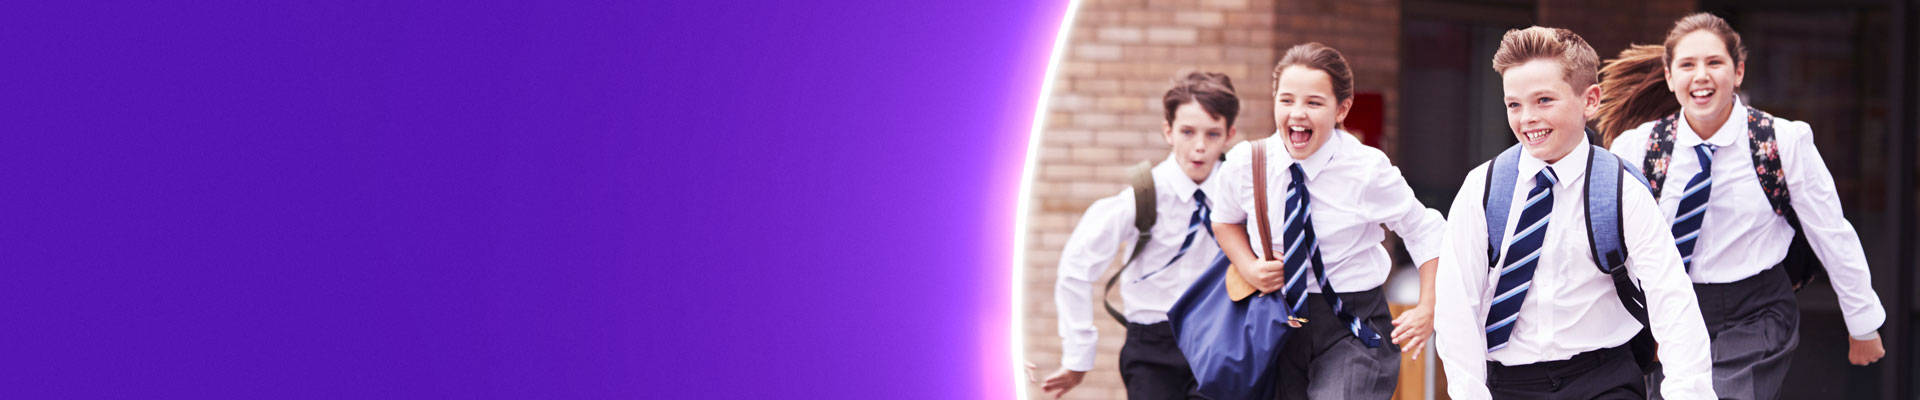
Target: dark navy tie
{"type": "Point", "coordinates": [1201, 220]}
{"type": "Point", "coordinates": [1303, 249]}
{"type": "Point", "coordinates": [1523, 255]}
{"type": "Point", "coordinates": [1693, 206]}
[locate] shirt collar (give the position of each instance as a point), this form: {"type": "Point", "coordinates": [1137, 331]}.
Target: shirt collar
{"type": "Point", "coordinates": [1735, 127]}
{"type": "Point", "coordinates": [1168, 171]}
{"type": "Point", "coordinates": [1314, 163]}
{"type": "Point", "coordinates": [1568, 170]}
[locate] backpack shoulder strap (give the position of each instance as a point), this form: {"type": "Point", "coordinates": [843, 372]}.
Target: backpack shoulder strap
{"type": "Point", "coordinates": [1145, 202]}
{"type": "Point", "coordinates": [1498, 199]}
{"type": "Point", "coordinates": [1145, 211]}
{"type": "Point", "coordinates": [1605, 173]}
{"type": "Point", "coordinates": [1606, 234]}
{"type": "Point", "coordinates": [1659, 152]}
{"type": "Point", "coordinates": [1766, 160]}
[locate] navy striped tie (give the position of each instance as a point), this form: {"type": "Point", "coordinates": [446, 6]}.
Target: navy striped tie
{"type": "Point", "coordinates": [1523, 255]}
{"type": "Point", "coordinates": [1200, 220]}
{"type": "Point", "coordinates": [1693, 206]}
{"type": "Point", "coordinates": [1303, 248]}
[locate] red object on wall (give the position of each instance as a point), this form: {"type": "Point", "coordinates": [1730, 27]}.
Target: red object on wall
{"type": "Point", "coordinates": [1367, 119]}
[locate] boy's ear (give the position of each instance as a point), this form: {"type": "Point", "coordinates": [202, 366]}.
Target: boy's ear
{"type": "Point", "coordinates": [1231, 133]}
{"type": "Point", "coordinates": [1166, 132]}
{"type": "Point", "coordinates": [1592, 96]}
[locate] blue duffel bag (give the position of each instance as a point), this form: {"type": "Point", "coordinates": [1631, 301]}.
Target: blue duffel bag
{"type": "Point", "coordinates": [1232, 346]}
{"type": "Point", "coordinates": [1230, 337]}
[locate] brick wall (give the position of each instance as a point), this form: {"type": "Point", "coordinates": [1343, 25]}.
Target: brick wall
{"type": "Point", "coordinates": [1105, 115]}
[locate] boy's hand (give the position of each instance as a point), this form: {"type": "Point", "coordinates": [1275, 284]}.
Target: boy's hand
{"type": "Point", "coordinates": [1863, 352]}
{"type": "Point", "coordinates": [1268, 276]}
{"type": "Point", "coordinates": [1063, 381]}
{"type": "Point", "coordinates": [1413, 328]}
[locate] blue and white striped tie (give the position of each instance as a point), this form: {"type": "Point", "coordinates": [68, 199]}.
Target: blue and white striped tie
{"type": "Point", "coordinates": [1693, 206]}
{"type": "Point", "coordinates": [1303, 248]}
{"type": "Point", "coordinates": [1201, 220]}
{"type": "Point", "coordinates": [1523, 255]}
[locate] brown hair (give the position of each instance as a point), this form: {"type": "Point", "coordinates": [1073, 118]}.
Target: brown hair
{"type": "Point", "coordinates": [1709, 23]}
{"type": "Point", "coordinates": [1576, 58]}
{"type": "Point", "coordinates": [1318, 56]}
{"type": "Point", "coordinates": [1213, 91]}
{"type": "Point", "coordinates": [1633, 89]}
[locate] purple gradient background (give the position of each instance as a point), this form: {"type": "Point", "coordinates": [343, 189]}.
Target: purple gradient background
{"type": "Point", "coordinates": [230, 199]}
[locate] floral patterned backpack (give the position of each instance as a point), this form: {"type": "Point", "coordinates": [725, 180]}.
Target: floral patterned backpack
{"type": "Point", "coordinates": [1801, 264]}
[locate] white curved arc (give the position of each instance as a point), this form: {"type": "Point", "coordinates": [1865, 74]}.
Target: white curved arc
{"type": "Point", "coordinates": [1024, 205]}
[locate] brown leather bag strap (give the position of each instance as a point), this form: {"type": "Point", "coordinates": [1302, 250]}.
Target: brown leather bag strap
{"type": "Point", "coordinates": [1237, 287]}
{"type": "Point", "coordinates": [1260, 198]}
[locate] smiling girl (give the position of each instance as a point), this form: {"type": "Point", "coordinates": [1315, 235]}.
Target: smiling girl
{"type": "Point", "coordinates": [1736, 181]}
{"type": "Point", "coordinates": [1338, 192]}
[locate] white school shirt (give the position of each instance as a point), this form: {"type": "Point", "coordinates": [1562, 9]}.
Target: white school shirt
{"type": "Point", "coordinates": [1149, 286]}
{"type": "Point", "coordinates": [1741, 236]}
{"type": "Point", "coordinates": [1354, 190]}
{"type": "Point", "coordinates": [1572, 307]}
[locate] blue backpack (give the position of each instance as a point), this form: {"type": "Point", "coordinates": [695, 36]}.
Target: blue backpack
{"type": "Point", "coordinates": [1606, 235]}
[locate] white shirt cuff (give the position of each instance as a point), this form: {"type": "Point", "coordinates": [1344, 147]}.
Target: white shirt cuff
{"type": "Point", "coordinates": [1077, 357]}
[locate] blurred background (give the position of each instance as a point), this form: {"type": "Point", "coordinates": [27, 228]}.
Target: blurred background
{"type": "Point", "coordinates": [1428, 96]}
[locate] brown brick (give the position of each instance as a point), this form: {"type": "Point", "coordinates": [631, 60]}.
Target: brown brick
{"type": "Point", "coordinates": [1097, 86]}
{"type": "Point", "coordinates": [1199, 18]}
{"type": "Point", "coordinates": [1199, 53]}
{"type": "Point", "coordinates": [1066, 137]}
{"type": "Point", "coordinates": [1250, 20]}
{"type": "Point", "coordinates": [1149, 18]}
{"type": "Point", "coordinates": [1120, 104]}
{"type": "Point", "coordinates": [1123, 138]}
{"type": "Point", "coordinates": [1120, 35]}
{"type": "Point", "coordinates": [1097, 52]}
{"type": "Point", "coordinates": [1149, 52]}
{"type": "Point", "coordinates": [1094, 155]}
{"type": "Point", "coordinates": [1224, 4]}
{"type": "Point", "coordinates": [1095, 120]}
{"type": "Point", "coordinates": [1172, 35]}
{"type": "Point", "coordinates": [1069, 103]}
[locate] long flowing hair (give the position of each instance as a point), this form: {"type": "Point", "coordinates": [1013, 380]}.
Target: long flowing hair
{"type": "Point", "coordinates": [1633, 90]}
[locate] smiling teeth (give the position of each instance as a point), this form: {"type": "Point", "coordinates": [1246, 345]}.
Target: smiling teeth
{"type": "Point", "coordinates": [1536, 135]}
{"type": "Point", "coordinates": [1297, 128]}
{"type": "Point", "coordinates": [1703, 93]}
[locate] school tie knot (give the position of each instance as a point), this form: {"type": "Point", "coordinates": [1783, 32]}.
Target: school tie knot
{"type": "Point", "coordinates": [1546, 178]}
{"type": "Point", "coordinates": [1202, 212]}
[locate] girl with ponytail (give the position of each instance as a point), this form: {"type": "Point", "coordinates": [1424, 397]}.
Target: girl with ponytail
{"type": "Point", "coordinates": [1749, 197]}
